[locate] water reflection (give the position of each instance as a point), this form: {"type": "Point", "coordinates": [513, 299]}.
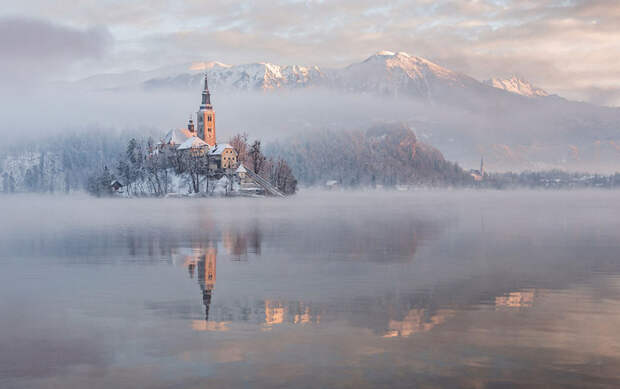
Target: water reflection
{"type": "Point", "coordinates": [518, 299]}
{"type": "Point", "coordinates": [417, 320]}
{"type": "Point", "coordinates": [204, 261]}
{"type": "Point", "coordinates": [391, 316]}
{"type": "Point", "coordinates": [429, 290]}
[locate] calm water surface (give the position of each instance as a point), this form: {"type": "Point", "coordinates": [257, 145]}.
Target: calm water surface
{"type": "Point", "coordinates": [343, 290]}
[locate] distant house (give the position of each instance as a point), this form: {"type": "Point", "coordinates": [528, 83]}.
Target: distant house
{"type": "Point", "coordinates": [332, 184]}
{"type": "Point", "coordinates": [241, 171]}
{"type": "Point", "coordinates": [116, 186]}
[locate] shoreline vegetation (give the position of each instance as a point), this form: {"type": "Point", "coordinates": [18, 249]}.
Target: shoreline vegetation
{"type": "Point", "coordinates": [145, 171]}
{"type": "Point", "coordinates": [386, 156]}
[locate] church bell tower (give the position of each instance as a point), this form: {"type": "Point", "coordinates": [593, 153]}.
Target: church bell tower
{"type": "Point", "coordinates": [206, 117]}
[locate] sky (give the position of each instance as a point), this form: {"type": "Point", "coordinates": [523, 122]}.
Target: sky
{"type": "Point", "coordinates": [568, 47]}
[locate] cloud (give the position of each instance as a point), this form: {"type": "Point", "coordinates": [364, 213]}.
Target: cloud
{"type": "Point", "coordinates": [603, 96]}
{"type": "Point", "coordinates": [568, 46]}
{"type": "Point", "coordinates": [35, 49]}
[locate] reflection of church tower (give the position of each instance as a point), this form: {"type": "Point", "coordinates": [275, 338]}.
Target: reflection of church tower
{"type": "Point", "coordinates": [206, 276]}
{"type": "Point", "coordinates": [206, 117]}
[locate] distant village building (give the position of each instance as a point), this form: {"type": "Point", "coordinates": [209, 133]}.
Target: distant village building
{"type": "Point", "coordinates": [478, 175]}
{"type": "Point", "coordinates": [116, 186]}
{"type": "Point", "coordinates": [332, 184]}
{"type": "Point", "coordinates": [246, 184]}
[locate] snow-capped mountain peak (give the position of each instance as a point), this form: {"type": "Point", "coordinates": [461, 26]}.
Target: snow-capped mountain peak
{"type": "Point", "coordinates": [397, 73]}
{"type": "Point", "coordinates": [252, 76]}
{"type": "Point", "coordinates": [413, 66]}
{"type": "Point", "coordinates": [517, 85]}
{"type": "Point", "coordinates": [208, 65]}
{"type": "Point", "coordinates": [385, 73]}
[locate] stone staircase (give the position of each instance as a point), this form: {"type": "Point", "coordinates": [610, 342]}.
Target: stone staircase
{"type": "Point", "coordinates": [266, 185]}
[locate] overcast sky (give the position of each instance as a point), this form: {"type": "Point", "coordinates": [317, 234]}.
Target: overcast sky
{"type": "Point", "coordinates": [569, 47]}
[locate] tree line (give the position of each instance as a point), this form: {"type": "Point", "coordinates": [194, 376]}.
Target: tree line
{"type": "Point", "coordinates": [59, 163]}
{"type": "Point", "coordinates": [549, 179]}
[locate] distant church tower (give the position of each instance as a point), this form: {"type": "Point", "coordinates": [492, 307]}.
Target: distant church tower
{"type": "Point", "coordinates": [206, 117]}
{"type": "Point", "coordinates": [482, 166]}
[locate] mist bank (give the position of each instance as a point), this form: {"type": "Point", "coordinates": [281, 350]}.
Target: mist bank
{"type": "Point", "coordinates": [385, 155]}
{"type": "Point", "coordinates": [513, 135]}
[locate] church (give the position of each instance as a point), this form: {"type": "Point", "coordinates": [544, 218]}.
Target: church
{"type": "Point", "coordinates": [196, 145]}
{"type": "Point", "coordinates": [200, 140]}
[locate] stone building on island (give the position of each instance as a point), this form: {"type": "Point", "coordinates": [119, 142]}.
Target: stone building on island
{"type": "Point", "coordinates": [201, 156]}
{"type": "Point", "coordinates": [201, 140]}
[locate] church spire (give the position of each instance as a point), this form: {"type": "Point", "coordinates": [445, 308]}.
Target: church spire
{"type": "Point", "coordinates": [206, 95]}
{"type": "Point", "coordinates": [206, 117]}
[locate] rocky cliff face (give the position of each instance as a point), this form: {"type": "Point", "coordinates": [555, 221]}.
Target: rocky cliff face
{"type": "Point", "coordinates": [517, 85]}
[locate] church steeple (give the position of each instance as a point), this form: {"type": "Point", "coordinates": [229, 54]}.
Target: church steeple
{"type": "Point", "coordinates": [206, 117]}
{"type": "Point", "coordinates": [206, 95]}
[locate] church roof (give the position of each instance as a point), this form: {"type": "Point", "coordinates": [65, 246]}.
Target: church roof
{"type": "Point", "coordinates": [176, 136]}
{"type": "Point", "coordinates": [219, 148]}
{"type": "Point", "coordinates": [193, 143]}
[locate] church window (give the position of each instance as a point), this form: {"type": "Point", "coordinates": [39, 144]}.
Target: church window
{"type": "Point", "coordinates": [209, 118]}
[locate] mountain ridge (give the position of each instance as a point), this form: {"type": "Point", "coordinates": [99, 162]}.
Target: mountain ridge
{"type": "Point", "coordinates": [385, 73]}
{"type": "Point", "coordinates": [513, 123]}
{"type": "Point", "coordinates": [517, 85]}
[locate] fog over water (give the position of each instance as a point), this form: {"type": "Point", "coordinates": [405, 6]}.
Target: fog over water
{"type": "Point", "coordinates": [352, 289]}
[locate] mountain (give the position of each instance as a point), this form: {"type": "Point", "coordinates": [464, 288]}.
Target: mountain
{"type": "Point", "coordinates": [254, 76]}
{"type": "Point", "coordinates": [397, 74]}
{"type": "Point", "coordinates": [513, 123]}
{"type": "Point", "coordinates": [384, 73]}
{"type": "Point", "coordinates": [517, 85]}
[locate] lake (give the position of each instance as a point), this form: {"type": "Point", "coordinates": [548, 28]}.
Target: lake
{"type": "Point", "coordinates": [427, 289]}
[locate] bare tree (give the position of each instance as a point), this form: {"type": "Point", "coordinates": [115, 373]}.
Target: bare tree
{"type": "Point", "coordinates": [156, 170]}
{"type": "Point", "coordinates": [257, 159]}
{"type": "Point", "coordinates": [282, 177]}
{"type": "Point", "coordinates": [195, 166]}
{"type": "Point", "coordinates": [239, 143]}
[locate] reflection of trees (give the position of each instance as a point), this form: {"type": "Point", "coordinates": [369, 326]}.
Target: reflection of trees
{"type": "Point", "coordinates": [239, 242]}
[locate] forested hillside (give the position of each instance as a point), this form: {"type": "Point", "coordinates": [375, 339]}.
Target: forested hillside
{"type": "Point", "coordinates": [59, 163]}
{"type": "Point", "coordinates": [388, 155]}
